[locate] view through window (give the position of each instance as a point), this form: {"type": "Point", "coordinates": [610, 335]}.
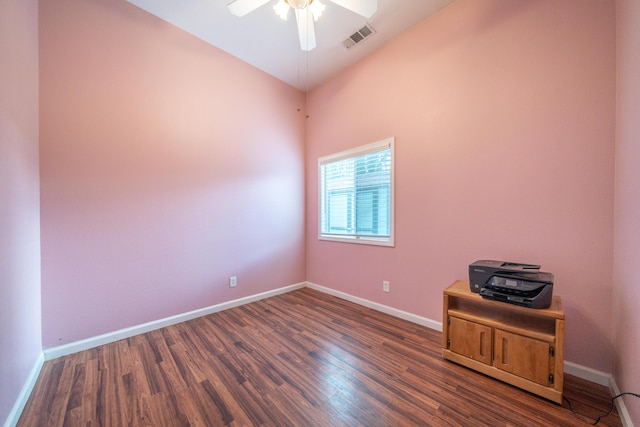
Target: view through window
{"type": "Point", "coordinates": [356, 194]}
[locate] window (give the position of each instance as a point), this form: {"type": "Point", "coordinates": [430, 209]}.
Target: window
{"type": "Point", "coordinates": [356, 195]}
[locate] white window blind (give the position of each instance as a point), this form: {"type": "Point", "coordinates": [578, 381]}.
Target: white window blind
{"type": "Point", "coordinates": [356, 194]}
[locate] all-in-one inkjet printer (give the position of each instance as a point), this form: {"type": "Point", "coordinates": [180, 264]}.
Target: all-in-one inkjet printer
{"type": "Point", "coordinates": [514, 283]}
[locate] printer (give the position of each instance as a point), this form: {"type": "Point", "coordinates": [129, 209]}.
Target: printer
{"type": "Point", "coordinates": [521, 284]}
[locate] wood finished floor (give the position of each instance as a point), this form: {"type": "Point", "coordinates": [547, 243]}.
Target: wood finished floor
{"type": "Point", "coordinates": [299, 359]}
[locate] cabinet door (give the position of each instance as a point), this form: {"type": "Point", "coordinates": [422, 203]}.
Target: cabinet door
{"type": "Point", "coordinates": [523, 356]}
{"type": "Point", "coordinates": [470, 339]}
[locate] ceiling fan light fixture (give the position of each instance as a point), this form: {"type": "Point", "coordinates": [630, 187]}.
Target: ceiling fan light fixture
{"type": "Point", "coordinates": [299, 4]}
{"type": "Point", "coordinates": [315, 7]}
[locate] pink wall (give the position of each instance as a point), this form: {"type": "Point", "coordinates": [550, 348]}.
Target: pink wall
{"type": "Point", "coordinates": [20, 335]}
{"type": "Point", "coordinates": [167, 166]}
{"type": "Point", "coordinates": [627, 206]}
{"type": "Point", "coordinates": [155, 187]}
{"type": "Point", "coordinates": [504, 118]}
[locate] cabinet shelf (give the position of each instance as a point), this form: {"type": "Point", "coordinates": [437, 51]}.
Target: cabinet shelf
{"type": "Point", "coordinates": [517, 345]}
{"type": "Point", "coordinates": [542, 331]}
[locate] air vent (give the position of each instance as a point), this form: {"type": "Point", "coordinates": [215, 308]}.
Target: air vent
{"type": "Point", "coordinates": [358, 36]}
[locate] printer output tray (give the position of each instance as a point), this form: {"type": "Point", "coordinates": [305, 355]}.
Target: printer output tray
{"type": "Point", "coordinates": [538, 298]}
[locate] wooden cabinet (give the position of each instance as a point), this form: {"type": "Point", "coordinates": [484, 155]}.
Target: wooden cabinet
{"type": "Point", "coordinates": [517, 345]}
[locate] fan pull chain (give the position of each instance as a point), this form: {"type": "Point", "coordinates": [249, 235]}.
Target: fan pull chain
{"type": "Point", "coordinates": [306, 86]}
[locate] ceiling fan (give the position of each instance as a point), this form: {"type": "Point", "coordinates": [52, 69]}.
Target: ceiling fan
{"type": "Point", "coordinates": [306, 12]}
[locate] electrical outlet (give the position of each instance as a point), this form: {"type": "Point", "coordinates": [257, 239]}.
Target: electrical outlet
{"type": "Point", "coordinates": [385, 286]}
{"type": "Point", "coordinates": [233, 282]}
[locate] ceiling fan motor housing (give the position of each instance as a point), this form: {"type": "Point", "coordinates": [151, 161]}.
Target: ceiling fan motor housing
{"type": "Point", "coordinates": [299, 4]}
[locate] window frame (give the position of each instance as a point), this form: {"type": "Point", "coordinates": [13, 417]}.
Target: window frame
{"type": "Point", "coordinates": [352, 153]}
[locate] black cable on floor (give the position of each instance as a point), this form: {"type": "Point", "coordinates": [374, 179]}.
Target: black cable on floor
{"type": "Point", "coordinates": [610, 410]}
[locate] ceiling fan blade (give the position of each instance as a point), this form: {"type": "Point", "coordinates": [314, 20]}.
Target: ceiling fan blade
{"type": "Point", "coordinates": [306, 31]}
{"type": "Point", "coordinates": [242, 7]}
{"type": "Point", "coordinates": [365, 8]}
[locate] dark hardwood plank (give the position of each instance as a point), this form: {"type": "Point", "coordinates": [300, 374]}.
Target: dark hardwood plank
{"type": "Point", "coordinates": [302, 358]}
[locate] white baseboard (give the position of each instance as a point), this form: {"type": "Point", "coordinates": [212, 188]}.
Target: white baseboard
{"type": "Point", "coordinates": [20, 403]}
{"type": "Point", "coordinates": [588, 374]}
{"type": "Point", "coordinates": [432, 324]}
{"type": "Point", "coordinates": [625, 417]}
{"type": "Point", "coordinates": [74, 347]}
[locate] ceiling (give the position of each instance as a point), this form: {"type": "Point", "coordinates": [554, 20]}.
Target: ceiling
{"type": "Point", "coordinates": [265, 41]}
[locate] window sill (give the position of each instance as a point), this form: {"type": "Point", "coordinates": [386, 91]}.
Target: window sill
{"type": "Point", "coordinates": [358, 240]}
